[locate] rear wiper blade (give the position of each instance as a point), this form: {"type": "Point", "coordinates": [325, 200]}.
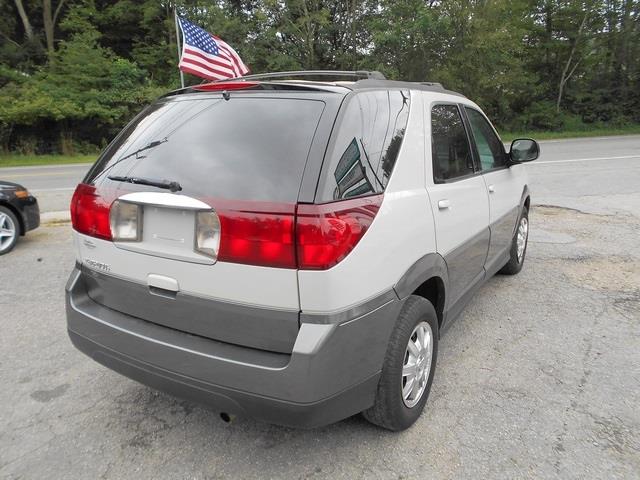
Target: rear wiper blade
{"type": "Point", "coordinates": [136, 154]}
{"type": "Point", "coordinates": [165, 184]}
{"type": "Point", "coordinates": [148, 146]}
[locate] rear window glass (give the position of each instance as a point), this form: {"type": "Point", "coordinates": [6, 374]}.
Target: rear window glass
{"type": "Point", "coordinates": [244, 148]}
{"type": "Point", "coordinates": [365, 145]}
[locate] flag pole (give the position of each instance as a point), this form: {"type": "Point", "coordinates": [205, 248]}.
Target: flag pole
{"type": "Point", "coordinates": [175, 16]}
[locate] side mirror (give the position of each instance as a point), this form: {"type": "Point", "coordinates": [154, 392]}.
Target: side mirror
{"type": "Point", "coordinates": [524, 150]}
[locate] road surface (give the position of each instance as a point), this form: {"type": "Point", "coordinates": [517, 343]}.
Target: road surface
{"type": "Point", "coordinates": [572, 173]}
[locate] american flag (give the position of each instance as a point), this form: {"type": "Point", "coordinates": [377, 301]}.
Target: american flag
{"type": "Point", "coordinates": [207, 56]}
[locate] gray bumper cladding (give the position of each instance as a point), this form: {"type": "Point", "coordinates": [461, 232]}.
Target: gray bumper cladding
{"type": "Point", "coordinates": [332, 372]}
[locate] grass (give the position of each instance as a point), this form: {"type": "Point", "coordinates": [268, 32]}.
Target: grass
{"type": "Point", "coordinates": [592, 132]}
{"type": "Point", "coordinates": [9, 160]}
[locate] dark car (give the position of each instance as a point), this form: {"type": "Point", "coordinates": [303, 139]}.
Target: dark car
{"type": "Point", "coordinates": [19, 213]}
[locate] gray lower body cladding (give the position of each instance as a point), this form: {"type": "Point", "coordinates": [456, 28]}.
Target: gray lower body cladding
{"type": "Point", "coordinates": [331, 373]}
{"type": "Point", "coordinates": [261, 328]}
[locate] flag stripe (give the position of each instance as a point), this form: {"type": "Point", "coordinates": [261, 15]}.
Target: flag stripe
{"type": "Point", "coordinates": [209, 68]}
{"type": "Point", "coordinates": [197, 57]}
{"type": "Point", "coordinates": [232, 57]}
{"type": "Point", "coordinates": [208, 57]}
{"type": "Point", "coordinates": [236, 58]}
{"type": "Point", "coordinates": [232, 53]}
{"type": "Point", "coordinates": [203, 73]}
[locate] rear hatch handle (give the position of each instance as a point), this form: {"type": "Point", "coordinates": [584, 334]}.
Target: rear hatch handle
{"type": "Point", "coordinates": [163, 286]}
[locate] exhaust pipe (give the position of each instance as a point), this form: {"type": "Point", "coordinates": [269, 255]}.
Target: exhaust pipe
{"type": "Point", "coordinates": [226, 417]}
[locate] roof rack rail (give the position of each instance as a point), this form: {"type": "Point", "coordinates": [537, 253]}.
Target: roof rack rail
{"type": "Point", "coordinates": [361, 74]}
{"type": "Point", "coordinates": [432, 84]}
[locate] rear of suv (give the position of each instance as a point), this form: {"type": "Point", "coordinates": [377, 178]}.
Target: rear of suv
{"type": "Point", "coordinates": [291, 250]}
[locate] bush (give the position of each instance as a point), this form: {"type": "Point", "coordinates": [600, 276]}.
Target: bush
{"type": "Point", "coordinates": [85, 89]}
{"type": "Point", "coordinates": [543, 116]}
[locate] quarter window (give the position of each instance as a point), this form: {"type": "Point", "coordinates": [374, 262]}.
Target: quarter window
{"type": "Point", "coordinates": [366, 144]}
{"type": "Point", "coordinates": [487, 142]}
{"type": "Point", "coordinates": [449, 144]}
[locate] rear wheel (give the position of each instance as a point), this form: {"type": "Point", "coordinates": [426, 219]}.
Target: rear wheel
{"type": "Point", "coordinates": [408, 368]}
{"type": "Point", "coordinates": [9, 230]}
{"type": "Point", "coordinates": [518, 245]}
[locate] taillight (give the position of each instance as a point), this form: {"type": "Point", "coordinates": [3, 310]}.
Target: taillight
{"type": "Point", "coordinates": [258, 236]}
{"type": "Point", "coordinates": [303, 236]}
{"type": "Point", "coordinates": [325, 234]}
{"type": "Point", "coordinates": [90, 212]}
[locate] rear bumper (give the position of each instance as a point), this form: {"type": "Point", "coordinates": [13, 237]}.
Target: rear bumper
{"type": "Point", "coordinates": [331, 374]}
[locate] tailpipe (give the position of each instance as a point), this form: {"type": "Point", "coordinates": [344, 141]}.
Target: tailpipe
{"type": "Point", "coordinates": [227, 417]}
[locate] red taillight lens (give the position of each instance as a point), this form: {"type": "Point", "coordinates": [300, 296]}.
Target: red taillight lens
{"type": "Point", "coordinates": [325, 234]}
{"type": "Point", "coordinates": [304, 236]}
{"type": "Point", "coordinates": [90, 212]}
{"type": "Point", "coordinates": [259, 235]}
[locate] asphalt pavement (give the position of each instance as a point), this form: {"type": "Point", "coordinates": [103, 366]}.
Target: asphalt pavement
{"type": "Point", "coordinates": [54, 185]}
{"type": "Point", "coordinates": [539, 377]}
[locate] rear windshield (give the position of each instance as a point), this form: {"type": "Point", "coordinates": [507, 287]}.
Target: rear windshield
{"type": "Point", "coordinates": [251, 148]}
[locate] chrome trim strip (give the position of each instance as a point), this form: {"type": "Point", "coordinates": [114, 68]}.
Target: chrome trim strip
{"type": "Point", "coordinates": [163, 199]}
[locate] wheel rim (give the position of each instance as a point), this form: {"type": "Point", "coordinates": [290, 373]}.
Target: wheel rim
{"type": "Point", "coordinates": [7, 231]}
{"type": "Point", "coordinates": [521, 239]}
{"type": "Point", "coordinates": [417, 364]}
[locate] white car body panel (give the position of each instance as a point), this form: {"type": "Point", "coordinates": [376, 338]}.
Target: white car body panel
{"type": "Point", "coordinates": [401, 233]}
{"type": "Point", "coordinates": [275, 288]}
{"type": "Point", "coordinates": [466, 215]}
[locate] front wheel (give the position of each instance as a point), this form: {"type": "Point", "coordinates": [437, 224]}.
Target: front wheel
{"type": "Point", "coordinates": [518, 245]}
{"type": "Point", "coordinates": [9, 230]}
{"type": "Point", "coordinates": [408, 368]}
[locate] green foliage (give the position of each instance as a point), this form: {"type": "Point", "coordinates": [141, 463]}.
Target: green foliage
{"type": "Point", "coordinates": [531, 64]}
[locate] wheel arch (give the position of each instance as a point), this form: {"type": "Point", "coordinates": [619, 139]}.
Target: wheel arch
{"type": "Point", "coordinates": [427, 278]}
{"type": "Point", "coordinates": [525, 198]}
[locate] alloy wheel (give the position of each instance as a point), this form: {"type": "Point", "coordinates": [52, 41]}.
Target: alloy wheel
{"type": "Point", "coordinates": [8, 231]}
{"type": "Point", "coordinates": [521, 239]}
{"type": "Point", "coordinates": [417, 364]}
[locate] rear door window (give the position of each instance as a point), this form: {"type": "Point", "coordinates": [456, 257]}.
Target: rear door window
{"type": "Point", "coordinates": [450, 150]}
{"type": "Point", "coordinates": [365, 145]}
{"type": "Point", "coordinates": [248, 148]}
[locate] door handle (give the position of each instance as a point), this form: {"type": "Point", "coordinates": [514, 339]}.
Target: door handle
{"type": "Point", "coordinates": [491, 189]}
{"type": "Point", "coordinates": [443, 204]}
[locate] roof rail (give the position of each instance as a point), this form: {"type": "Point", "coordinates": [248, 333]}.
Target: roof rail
{"type": "Point", "coordinates": [432, 84]}
{"type": "Point", "coordinates": [360, 74]}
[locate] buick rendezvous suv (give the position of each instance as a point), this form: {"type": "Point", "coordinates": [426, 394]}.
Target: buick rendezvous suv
{"type": "Point", "coordinates": [291, 250]}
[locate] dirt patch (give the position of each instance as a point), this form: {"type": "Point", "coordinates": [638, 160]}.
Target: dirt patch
{"type": "Point", "coordinates": [553, 213]}
{"type": "Point", "coordinates": [611, 273]}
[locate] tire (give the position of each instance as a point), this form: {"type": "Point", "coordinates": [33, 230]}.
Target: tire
{"type": "Point", "coordinates": [391, 410]}
{"type": "Point", "coordinates": [515, 263]}
{"type": "Point", "coordinates": [9, 230]}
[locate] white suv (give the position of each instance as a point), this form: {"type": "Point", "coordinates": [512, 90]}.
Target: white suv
{"type": "Point", "coordinates": [291, 250]}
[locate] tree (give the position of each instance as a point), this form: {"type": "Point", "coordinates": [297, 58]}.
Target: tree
{"type": "Point", "coordinates": [28, 29]}
{"type": "Point", "coordinates": [50, 17]}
